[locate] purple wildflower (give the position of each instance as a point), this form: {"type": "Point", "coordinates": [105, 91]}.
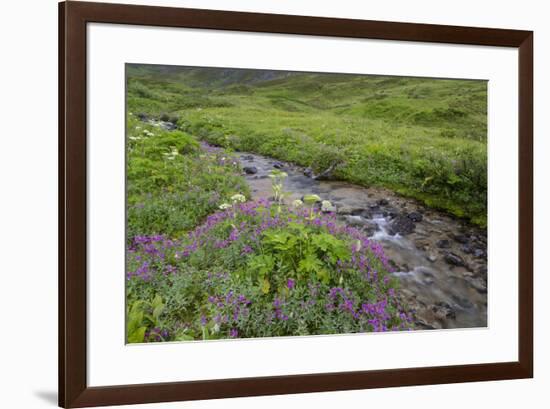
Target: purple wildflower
{"type": "Point", "coordinates": [290, 283]}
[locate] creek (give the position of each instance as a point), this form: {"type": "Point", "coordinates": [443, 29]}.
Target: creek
{"type": "Point", "coordinates": [441, 261]}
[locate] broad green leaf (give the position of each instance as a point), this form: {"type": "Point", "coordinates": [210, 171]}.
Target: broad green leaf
{"type": "Point", "coordinates": [310, 263]}
{"type": "Point", "coordinates": [157, 311]}
{"type": "Point", "coordinates": [311, 199]}
{"type": "Point", "coordinates": [137, 335]}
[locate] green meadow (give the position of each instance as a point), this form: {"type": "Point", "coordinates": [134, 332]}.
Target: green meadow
{"type": "Point", "coordinates": [423, 138]}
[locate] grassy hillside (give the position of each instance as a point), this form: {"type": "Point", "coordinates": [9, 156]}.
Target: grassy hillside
{"type": "Point", "coordinates": [425, 138]}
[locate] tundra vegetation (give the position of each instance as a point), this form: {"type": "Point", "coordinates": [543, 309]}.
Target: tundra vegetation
{"type": "Point", "coordinates": [206, 262]}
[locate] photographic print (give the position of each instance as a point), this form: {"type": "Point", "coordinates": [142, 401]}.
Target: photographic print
{"type": "Point", "coordinates": [265, 203]}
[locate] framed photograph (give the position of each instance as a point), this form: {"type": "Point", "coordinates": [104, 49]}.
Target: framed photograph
{"type": "Point", "coordinates": [255, 204]}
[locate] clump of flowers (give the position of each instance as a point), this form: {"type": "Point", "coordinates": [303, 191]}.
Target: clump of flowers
{"type": "Point", "coordinates": [171, 155]}
{"type": "Point", "coordinates": [259, 268]}
{"type": "Point", "coordinates": [238, 198]}
{"type": "Point", "coordinates": [297, 203]}
{"type": "Point", "coordinates": [326, 206]}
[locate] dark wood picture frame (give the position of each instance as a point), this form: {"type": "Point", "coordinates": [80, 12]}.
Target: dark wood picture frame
{"type": "Point", "coordinates": [73, 388]}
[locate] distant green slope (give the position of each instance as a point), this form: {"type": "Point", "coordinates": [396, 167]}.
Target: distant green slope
{"type": "Point", "coordinates": [425, 138]}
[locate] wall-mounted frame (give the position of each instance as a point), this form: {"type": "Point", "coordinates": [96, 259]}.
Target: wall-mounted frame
{"type": "Point", "coordinates": [75, 19]}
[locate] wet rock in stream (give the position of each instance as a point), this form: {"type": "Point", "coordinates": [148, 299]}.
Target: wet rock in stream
{"type": "Point", "coordinates": [327, 173]}
{"type": "Point", "coordinates": [454, 260]}
{"type": "Point", "coordinates": [443, 310]}
{"type": "Point", "coordinates": [402, 225]}
{"type": "Point", "coordinates": [443, 244]}
{"type": "Point", "coordinates": [350, 210]}
{"type": "Point", "coordinates": [461, 238]}
{"type": "Point", "coordinates": [359, 222]}
{"type": "Point", "coordinates": [415, 217]}
{"type": "Point", "coordinates": [478, 284]}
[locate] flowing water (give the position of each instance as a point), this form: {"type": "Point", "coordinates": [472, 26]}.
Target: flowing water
{"type": "Point", "coordinates": [441, 262]}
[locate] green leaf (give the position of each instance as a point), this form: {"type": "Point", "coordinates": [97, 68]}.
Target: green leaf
{"type": "Point", "coordinates": [311, 199]}
{"type": "Point", "coordinates": [323, 275]}
{"type": "Point", "coordinates": [157, 301]}
{"type": "Point", "coordinates": [265, 286]}
{"type": "Point", "coordinates": [184, 337]}
{"type": "Point", "coordinates": [157, 311]}
{"type": "Point", "coordinates": [310, 263]}
{"type": "Point", "coordinates": [137, 336]}
{"type": "Point", "coordinates": [261, 264]}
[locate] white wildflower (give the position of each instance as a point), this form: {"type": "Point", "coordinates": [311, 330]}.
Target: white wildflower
{"type": "Point", "coordinates": [297, 203]}
{"type": "Point", "coordinates": [238, 198]}
{"type": "Point", "coordinates": [326, 206]}
{"type": "Point", "coordinates": [171, 155]}
{"type": "Point", "coordinates": [224, 206]}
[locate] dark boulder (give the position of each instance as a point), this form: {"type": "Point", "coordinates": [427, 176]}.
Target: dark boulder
{"type": "Point", "coordinates": [250, 170]}
{"type": "Point", "coordinates": [415, 217]}
{"type": "Point", "coordinates": [392, 213]}
{"type": "Point", "coordinates": [402, 225]}
{"type": "Point", "coordinates": [308, 172]}
{"type": "Point", "coordinates": [454, 260]}
{"type": "Point", "coordinates": [327, 173]}
{"type": "Point", "coordinates": [383, 202]}
{"type": "Point", "coordinates": [461, 238]}
{"type": "Point", "coordinates": [278, 165]}
{"type": "Point", "coordinates": [443, 244]}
